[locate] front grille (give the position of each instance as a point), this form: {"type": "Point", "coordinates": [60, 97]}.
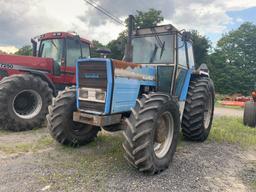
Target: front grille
{"type": "Point", "coordinates": [93, 74]}
{"type": "Point", "coordinates": [92, 106]}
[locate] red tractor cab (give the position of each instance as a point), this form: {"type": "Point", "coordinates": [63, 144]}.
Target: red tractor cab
{"type": "Point", "coordinates": [27, 83]}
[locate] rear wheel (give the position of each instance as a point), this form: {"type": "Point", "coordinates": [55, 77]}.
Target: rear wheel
{"type": "Point", "coordinates": [250, 114]}
{"type": "Point", "coordinates": [151, 136]}
{"type": "Point", "coordinates": [61, 125]}
{"type": "Point", "coordinates": [24, 100]}
{"type": "Point", "coordinates": [199, 108]}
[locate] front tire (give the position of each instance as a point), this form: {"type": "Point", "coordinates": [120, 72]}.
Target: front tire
{"type": "Point", "coordinates": [24, 101]}
{"type": "Point", "coordinates": [151, 136]}
{"type": "Point", "coordinates": [199, 109]}
{"type": "Point", "coordinates": [249, 118]}
{"type": "Point", "coordinates": [61, 125]}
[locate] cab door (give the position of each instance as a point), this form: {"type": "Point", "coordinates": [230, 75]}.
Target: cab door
{"type": "Point", "coordinates": [73, 52]}
{"type": "Point", "coordinates": [182, 67]}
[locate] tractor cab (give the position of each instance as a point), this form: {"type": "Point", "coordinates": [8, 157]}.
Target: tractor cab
{"type": "Point", "coordinates": [169, 50]}
{"type": "Point", "coordinates": [64, 48]}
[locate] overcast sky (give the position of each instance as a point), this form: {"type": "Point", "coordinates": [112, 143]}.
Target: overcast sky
{"type": "Point", "coordinates": [22, 19]}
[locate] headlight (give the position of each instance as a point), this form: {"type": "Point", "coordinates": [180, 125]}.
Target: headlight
{"type": "Point", "coordinates": [90, 94]}
{"type": "Point", "coordinates": [83, 93]}
{"type": "Point", "coordinates": [100, 95]}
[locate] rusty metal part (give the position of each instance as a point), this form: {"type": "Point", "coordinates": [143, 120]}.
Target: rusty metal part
{"type": "Point", "coordinates": [133, 75]}
{"type": "Point", "coordinates": [123, 64]}
{"type": "Point", "coordinates": [96, 120]}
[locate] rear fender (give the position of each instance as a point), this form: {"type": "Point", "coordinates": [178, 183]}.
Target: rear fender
{"type": "Point", "coordinates": [44, 77]}
{"type": "Point", "coordinates": [202, 71]}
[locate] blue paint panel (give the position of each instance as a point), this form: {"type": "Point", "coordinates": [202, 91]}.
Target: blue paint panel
{"type": "Point", "coordinates": [180, 81]}
{"type": "Point", "coordinates": [125, 94]}
{"type": "Point", "coordinates": [147, 83]}
{"type": "Point", "coordinates": [184, 91]}
{"type": "Point", "coordinates": [77, 84]}
{"type": "Point", "coordinates": [109, 86]}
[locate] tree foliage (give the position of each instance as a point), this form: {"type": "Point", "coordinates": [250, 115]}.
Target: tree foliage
{"type": "Point", "coordinates": [233, 62]}
{"type": "Point", "coordinates": [95, 45]}
{"type": "Point", "coordinates": [25, 50]}
{"type": "Point", "coordinates": [201, 46]}
{"type": "Point", "coordinates": [148, 18]}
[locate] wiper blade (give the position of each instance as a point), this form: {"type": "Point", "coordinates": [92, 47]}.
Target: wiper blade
{"type": "Point", "coordinates": [162, 50]}
{"type": "Point", "coordinates": [153, 54]}
{"type": "Point", "coordinates": [160, 43]}
{"type": "Point", "coordinates": [54, 44]}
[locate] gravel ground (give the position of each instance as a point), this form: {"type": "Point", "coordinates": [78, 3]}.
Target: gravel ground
{"type": "Point", "coordinates": [197, 167]}
{"type": "Point", "coordinates": [229, 112]}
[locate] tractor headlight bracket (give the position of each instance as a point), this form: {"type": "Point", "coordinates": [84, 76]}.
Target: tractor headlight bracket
{"type": "Point", "coordinates": [90, 94]}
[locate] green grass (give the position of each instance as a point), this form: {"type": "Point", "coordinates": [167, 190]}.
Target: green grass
{"type": "Point", "coordinates": [24, 147]}
{"type": "Point", "coordinates": [232, 130]}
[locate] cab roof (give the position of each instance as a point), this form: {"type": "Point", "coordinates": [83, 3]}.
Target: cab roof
{"type": "Point", "coordinates": [60, 35]}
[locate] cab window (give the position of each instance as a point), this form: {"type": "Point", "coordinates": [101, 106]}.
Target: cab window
{"type": "Point", "coordinates": [85, 50]}
{"type": "Point", "coordinates": [73, 52]}
{"type": "Point", "coordinates": [190, 55]}
{"type": "Point", "coordinates": [182, 60]}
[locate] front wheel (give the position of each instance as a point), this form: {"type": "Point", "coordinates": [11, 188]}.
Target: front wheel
{"type": "Point", "coordinates": [61, 125]}
{"type": "Point", "coordinates": [151, 136]}
{"type": "Point", "coordinates": [199, 109]}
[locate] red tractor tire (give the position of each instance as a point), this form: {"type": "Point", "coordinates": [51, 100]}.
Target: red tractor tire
{"type": "Point", "coordinates": [24, 101]}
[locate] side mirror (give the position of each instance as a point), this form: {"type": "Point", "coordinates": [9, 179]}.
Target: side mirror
{"type": "Point", "coordinates": [34, 47]}
{"type": "Point", "coordinates": [186, 36]}
{"type": "Point", "coordinates": [104, 52]}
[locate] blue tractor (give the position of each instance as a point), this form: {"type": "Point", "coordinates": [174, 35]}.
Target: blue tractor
{"type": "Point", "coordinates": [149, 95]}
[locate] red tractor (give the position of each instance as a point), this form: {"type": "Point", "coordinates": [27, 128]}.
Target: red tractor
{"type": "Point", "coordinates": [28, 83]}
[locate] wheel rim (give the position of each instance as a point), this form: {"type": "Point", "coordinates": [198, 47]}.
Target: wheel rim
{"type": "Point", "coordinates": [208, 112]}
{"type": "Point", "coordinates": [163, 135]}
{"type": "Point", "coordinates": [27, 104]}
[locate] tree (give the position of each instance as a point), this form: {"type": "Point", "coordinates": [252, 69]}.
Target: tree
{"type": "Point", "coordinates": [95, 45]}
{"type": "Point", "coordinates": [25, 50]}
{"type": "Point", "coordinates": [117, 46]}
{"type": "Point", "coordinates": [201, 46]}
{"type": "Point", "coordinates": [149, 18]}
{"type": "Point", "coordinates": [233, 63]}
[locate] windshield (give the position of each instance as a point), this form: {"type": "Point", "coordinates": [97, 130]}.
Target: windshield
{"type": "Point", "coordinates": [52, 48]}
{"type": "Point", "coordinates": [156, 49]}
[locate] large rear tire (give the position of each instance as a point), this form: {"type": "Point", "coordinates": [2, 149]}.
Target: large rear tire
{"type": "Point", "coordinates": [199, 109]}
{"type": "Point", "coordinates": [61, 125]}
{"type": "Point", "coordinates": [250, 114]}
{"type": "Point", "coordinates": [152, 133]}
{"type": "Point", "coordinates": [24, 101]}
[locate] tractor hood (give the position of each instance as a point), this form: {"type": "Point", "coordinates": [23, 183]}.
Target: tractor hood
{"type": "Point", "coordinates": [134, 71]}
{"type": "Point", "coordinates": [16, 62]}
